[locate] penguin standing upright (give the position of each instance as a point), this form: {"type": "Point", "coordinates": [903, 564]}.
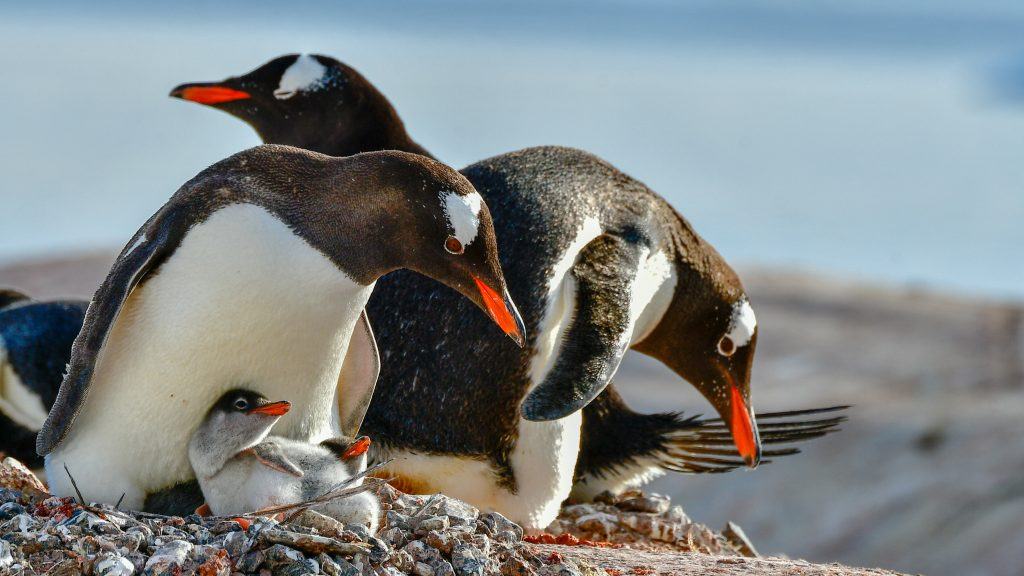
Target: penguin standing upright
{"type": "Point", "coordinates": [35, 346]}
{"type": "Point", "coordinates": [599, 263]}
{"type": "Point", "coordinates": [255, 274]}
{"type": "Point", "coordinates": [241, 469]}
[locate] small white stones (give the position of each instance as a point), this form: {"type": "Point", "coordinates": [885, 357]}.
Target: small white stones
{"type": "Point", "coordinates": [306, 73]}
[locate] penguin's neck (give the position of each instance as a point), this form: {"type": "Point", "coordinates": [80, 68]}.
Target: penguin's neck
{"type": "Point", "coordinates": [213, 445]}
{"type": "Point", "coordinates": [242, 302]}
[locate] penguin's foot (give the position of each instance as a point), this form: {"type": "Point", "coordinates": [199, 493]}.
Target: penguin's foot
{"type": "Point", "coordinates": [706, 446]}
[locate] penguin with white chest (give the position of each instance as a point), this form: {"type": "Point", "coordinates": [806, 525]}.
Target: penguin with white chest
{"type": "Point", "coordinates": [599, 263]}
{"type": "Point", "coordinates": [255, 274]}
{"type": "Point", "coordinates": [241, 469]}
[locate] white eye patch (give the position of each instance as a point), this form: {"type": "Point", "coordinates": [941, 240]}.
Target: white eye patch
{"type": "Point", "coordinates": [463, 214]}
{"type": "Point", "coordinates": [306, 73]}
{"type": "Point", "coordinates": [743, 323]}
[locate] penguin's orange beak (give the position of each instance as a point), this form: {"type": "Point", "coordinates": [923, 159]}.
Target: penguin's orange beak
{"type": "Point", "coordinates": [744, 429]}
{"type": "Point", "coordinates": [358, 448]}
{"type": "Point", "coordinates": [503, 311]}
{"type": "Point", "coordinates": [208, 94]}
{"type": "Point", "coordinates": [273, 409]}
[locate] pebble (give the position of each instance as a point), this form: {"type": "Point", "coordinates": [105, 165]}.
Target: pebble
{"type": "Point", "coordinates": [169, 558]}
{"type": "Point", "coordinates": [468, 561]}
{"type": "Point", "coordinates": [113, 565]}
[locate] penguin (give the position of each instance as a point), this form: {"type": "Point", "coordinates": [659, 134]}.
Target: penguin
{"type": "Point", "coordinates": [35, 346]}
{"type": "Point", "coordinates": [241, 469]}
{"type": "Point", "coordinates": [599, 263]}
{"type": "Point", "coordinates": [255, 274]}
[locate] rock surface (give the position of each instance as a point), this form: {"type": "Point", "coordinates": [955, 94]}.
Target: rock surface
{"type": "Point", "coordinates": [423, 535]}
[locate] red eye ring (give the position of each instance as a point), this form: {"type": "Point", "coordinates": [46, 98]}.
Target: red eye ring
{"type": "Point", "coordinates": [726, 347]}
{"type": "Point", "coordinates": [454, 246]}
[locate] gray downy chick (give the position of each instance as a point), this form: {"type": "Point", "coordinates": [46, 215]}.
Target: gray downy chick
{"type": "Point", "coordinates": [241, 468]}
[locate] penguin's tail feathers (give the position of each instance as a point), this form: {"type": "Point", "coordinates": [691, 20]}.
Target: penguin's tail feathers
{"type": "Point", "coordinates": [705, 446]}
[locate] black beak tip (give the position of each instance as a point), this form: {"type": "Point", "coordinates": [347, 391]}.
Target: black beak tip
{"type": "Point", "coordinates": [177, 91]}
{"type": "Point", "coordinates": [520, 336]}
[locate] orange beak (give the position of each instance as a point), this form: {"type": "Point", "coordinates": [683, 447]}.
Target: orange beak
{"type": "Point", "coordinates": [502, 311]}
{"type": "Point", "coordinates": [744, 435]}
{"type": "Point", "coordinates": [273, 409]}
{"type": "Point", "coordinates": [358, 448]}
{"type": "Point", "coordinates": [209, 94]}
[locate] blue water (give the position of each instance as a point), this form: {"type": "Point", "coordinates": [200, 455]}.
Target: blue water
{"type": "Point", "coordinates": [854, 137]}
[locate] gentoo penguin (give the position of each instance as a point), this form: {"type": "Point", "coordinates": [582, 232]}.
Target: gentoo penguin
{"type": "Point", "coordinates": [240, 468]}
{"type": "Point", "coordinates": [599, 263]}
{"type": "Point", "coordinates": [255, 273]}
{"type": "Point", "coordinates": [35, 346]}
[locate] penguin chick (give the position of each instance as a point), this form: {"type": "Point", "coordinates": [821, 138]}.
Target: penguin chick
{"type": "Point", "coordinates": [242, 469]}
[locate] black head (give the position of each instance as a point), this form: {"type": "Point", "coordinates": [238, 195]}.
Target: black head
{"type": "Point", "coordinates": [310, 101]}
{"type": "Point", "coordinates": [247, 402]}
{"type": "Point", "coordinates": [10, 296]}
{"type": "Point", "coordinates": [377, 212]}
{"type": "Point", "coordinates": [708, 335]}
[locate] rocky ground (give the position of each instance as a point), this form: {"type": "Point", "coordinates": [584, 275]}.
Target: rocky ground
{"type": "Point", "coordinates": [925, 477]}
{"type": "Point", "coordinates": [420, 535]}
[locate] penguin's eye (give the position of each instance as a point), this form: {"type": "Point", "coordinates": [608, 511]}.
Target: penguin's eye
{"type": "Point", "coordinates": [453, 245]}
{"type": "Point", "coordinates": [241, 404]}
{"type": "Point", "coordinates": [726, 347]}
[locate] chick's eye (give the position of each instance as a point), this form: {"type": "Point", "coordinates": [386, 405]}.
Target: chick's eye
{"type": "Point", "coordinates": [453, 245]}
{"type": "Point", "coordinates": [241, 404]}
{"type": "Point", "coordinates": [726, 347]}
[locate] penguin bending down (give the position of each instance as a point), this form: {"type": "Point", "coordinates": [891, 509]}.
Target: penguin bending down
{"type": "Point", "coordinates": [241, 469]}
{"type": "Point", "coordinates": [255, 274]}
{"type": "Point", "coordinates": [35, 346]}
{"type": "Point", "coordinates": [599, 263]}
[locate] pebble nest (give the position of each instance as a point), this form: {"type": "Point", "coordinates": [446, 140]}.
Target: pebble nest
{"type": "Point", "coordinates": [421, 535]}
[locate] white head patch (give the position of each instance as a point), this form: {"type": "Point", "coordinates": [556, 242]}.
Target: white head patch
{"type": "Point", "coordinates": [743, 323]}
{"type": "Point", "coordinates": [306, 73]}
{"type": "Point", "coordinates": [463, 213]}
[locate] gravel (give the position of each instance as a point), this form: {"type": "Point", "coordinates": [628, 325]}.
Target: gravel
{"type": "Point", "coordinates": [421, 535]}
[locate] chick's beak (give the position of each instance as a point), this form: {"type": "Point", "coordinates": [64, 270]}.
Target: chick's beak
{"type": "Point", "coordinates": [208, 93]}
{"type": "Point", "coordinates": [273, 409]}
{"type": "Point", "coordinates": [358, 448]}
{"type": "Point", "coordinates": [503, 311]}
{"type": "Point", "coordinates": [744, 429]}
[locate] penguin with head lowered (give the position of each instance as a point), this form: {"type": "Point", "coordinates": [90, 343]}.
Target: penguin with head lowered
{"type": "Point", "coordinates": [599, 264]}
{"type": "Point", "coordinates": [35, 346]}
{"type": "Point", "coordinates": [241, 469]}
{"type": "Point", "coordinates": [255, 275]}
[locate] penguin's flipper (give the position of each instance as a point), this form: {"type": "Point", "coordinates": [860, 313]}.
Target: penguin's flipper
{"type": "Point", "coordinates": [599, 335]}
{"type": "Point", "coordinates": [149, 248]}
{"type": "Point", "coordinates": [358, 377]}
{"type": "Point", "coordinates": [272, 456]}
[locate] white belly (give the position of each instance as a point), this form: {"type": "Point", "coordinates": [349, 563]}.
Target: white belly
{"type": "Point", "coordinates": [243, 302]}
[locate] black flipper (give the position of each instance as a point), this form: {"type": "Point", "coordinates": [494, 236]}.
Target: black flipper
{"type": "Point", "coordinates": [270, 454]}
{"type": "Point", "coordinates": [599, 335]}
{"type": "Point", "coordinates": [358, 377]}
{"type": "Point", "coordinates": [615, 438]}
{"type": "Point", "coordinates": [149, 248]}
